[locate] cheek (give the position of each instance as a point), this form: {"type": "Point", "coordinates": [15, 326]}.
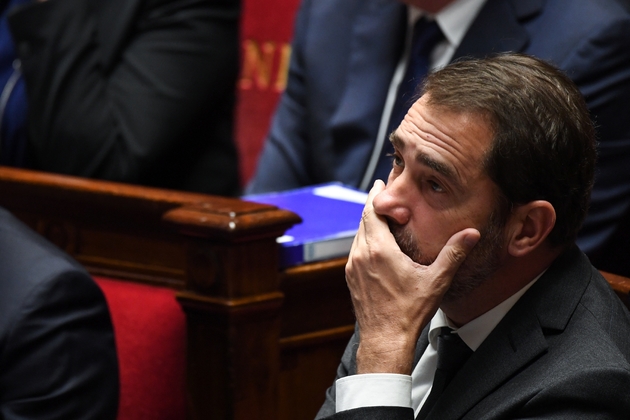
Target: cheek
{"type": "Point", "coordinates": [432, 229]}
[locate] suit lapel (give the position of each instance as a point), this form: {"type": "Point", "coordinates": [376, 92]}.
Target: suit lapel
{"type": "Point", "coordinates": [519, 339]}
{"type": "Point", "coordinates": [499, 28]}
{"type": "Point", "coordinates": [514, 347]}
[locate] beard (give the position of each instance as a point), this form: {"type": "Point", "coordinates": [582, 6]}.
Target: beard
{"type": "Point", "coordinates": [483, 261]}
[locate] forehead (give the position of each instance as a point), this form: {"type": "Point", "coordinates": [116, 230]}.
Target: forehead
{"type": "Point", "coordinates": [447, 140]}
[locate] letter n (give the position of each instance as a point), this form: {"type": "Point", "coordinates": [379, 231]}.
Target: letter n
{"type": "Point", "coordinates": [257, 64]}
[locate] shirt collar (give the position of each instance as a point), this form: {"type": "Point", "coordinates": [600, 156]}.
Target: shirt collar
{"type": "Point", "coordinates": [476, 331]}
{"type": "Point", "coordinates": [454, 20]}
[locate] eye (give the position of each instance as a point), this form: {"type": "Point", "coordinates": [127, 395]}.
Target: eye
{"type": "Point", "coordinates": [396, 160]}
{"type": "Point", "coordinates": [435, 186]}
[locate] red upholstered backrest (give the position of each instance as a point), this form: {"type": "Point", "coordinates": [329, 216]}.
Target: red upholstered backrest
{"type": "Point", "coordinates": [150, 330]}
{"type": "Point", "coordinates": [266, 30]}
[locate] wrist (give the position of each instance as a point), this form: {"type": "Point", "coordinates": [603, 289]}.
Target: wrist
{"type": "Point", "coordinates": [385, 357]}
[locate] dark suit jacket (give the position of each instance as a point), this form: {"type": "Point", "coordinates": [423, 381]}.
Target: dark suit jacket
{"type": "Point", "coordinates": [344, 55]}
{"type": "Point", "coordinates": [562, 352]}
{"type": "Point", "coordinates": [139, 91]}
{"type": "Point", "coordinates": [57, 353]}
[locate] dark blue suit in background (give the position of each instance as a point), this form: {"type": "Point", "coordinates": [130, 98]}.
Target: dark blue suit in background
{"type": "Point", "coordinates": [344, 56]}
{"type": "Point", "coordinates": [57, 353]}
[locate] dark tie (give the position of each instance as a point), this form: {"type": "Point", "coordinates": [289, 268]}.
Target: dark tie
{"type": "Point", "coordinates": [452, 354]}
{"type": "Point", "coordinates": [426, 35]}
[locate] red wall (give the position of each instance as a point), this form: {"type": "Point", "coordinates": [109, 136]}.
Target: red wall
{"type": "Point", "coordinates": [266, 31]}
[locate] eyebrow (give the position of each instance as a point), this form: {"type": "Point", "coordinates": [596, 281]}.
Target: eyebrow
{"type": "Point", "coordinates": [426, 160]}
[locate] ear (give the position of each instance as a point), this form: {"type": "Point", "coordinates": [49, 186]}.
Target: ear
{"type": "Point", "coordinates": [529, 226]}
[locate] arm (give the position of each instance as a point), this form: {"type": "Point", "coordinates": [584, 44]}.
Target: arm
{"type": "Point", "coordinates": [346, 367]}
{"type": "Point", "coordinates": [59, 359]}
{"type": "Point", "coordinates": [600, 66]}
{"type": "Point", "coordinates": [115, 98]}
{"type": "Point", "coordinates": [394, 298]}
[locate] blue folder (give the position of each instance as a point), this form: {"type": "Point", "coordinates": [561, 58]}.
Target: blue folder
{"type": "Point", "coordinates": [330, 218]}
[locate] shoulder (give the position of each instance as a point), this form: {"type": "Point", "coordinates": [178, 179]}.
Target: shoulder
{"type": "Point", "coordinates": [596, 337]}
{"type": "Point", "coordinates": [56, 335]}
{"type": "Point", "coordinates": [585, 324]}
{"type": "Point", "coordinates": [342, 16]}
{"type": "Point", "coordinates": [32, 268]}
{"type": "Point", "coordinates": [592, 13]}
{"type": "Point", "coordinates": [607, 317]}
{"type": "Point", "coordinates": [23, 249]}
{"type": "Point", "coordinates": [562, 28]}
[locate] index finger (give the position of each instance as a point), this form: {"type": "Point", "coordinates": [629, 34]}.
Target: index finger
{"type": "Point", "coordinates": [368, 217]}
{"type": "Point", "coordinates": [368, 212]}
{"type": "Point", "coordinates": [371, 222]}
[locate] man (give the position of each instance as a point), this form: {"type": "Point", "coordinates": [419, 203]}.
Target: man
{"type": "Point", "coordinates": [136, 91]}
{"type": "Point", "coordinates": [347, 56]}
{"type": "Point", "coordinates": [57, 353]}
{"type": "Point", "coordinates": [475, 231]}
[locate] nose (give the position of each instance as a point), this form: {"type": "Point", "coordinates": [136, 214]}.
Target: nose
{"type": "Point", "coordinates": [393, 202]}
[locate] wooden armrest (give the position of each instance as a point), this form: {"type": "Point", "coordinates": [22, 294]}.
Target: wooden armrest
{"type": "Point", "coordinates": [139, 233]}
{"type": "Point", "coordinates": [620, 284]}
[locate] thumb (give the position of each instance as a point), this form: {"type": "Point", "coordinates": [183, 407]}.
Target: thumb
{"type": "Point", "coordinates": [455, 251]}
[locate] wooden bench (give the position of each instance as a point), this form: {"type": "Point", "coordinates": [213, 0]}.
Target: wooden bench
{"type": "Point", "coordinates": [253, 333]}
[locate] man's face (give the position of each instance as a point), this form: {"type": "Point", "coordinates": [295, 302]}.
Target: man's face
{"type": "Point", "coordinates": [437, 187]}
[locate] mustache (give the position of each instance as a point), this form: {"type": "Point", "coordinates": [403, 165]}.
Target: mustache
{"type": "Point", "coordinates": [480, 264]}
{"type": "Point", "coordinates": [408, 244]}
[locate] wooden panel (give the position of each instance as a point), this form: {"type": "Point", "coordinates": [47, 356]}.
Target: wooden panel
{"type": "Point", "coordinates": [316, 298]}
{"type": "Point", "coordinates": [317, 322]}
{"type": "Point", "coordinates": [306, 372]}
{"type": "Point", "coordinates": [220, 254]}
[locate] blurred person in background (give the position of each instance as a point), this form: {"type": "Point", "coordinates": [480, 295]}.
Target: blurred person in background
{"type": "Point", "coordinates": [349, 57]}
{"type": "Point", "coordinates": [137, 91]}
{"type": "Point", "coordinates": [57, 352]}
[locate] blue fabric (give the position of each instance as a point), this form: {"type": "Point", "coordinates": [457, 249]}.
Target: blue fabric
{"type": "Point", "coordinates": [426, 35]}
{"type": "Point", "coordinates": [13, 102]}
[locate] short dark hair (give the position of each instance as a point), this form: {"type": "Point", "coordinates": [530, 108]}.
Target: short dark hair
{"type": "Point", "coordinates": [544, 145]}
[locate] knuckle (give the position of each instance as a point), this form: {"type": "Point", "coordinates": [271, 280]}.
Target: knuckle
{"type": "Point", "coordinates": [456, 256]}
{"type": "Point", "coordinates": [348, 271]}
{"type": "Point", "coordinates": [367, 212]}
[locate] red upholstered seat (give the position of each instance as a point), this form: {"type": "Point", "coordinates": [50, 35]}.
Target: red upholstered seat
{"type": "Point", "coordinates": [150, 330]}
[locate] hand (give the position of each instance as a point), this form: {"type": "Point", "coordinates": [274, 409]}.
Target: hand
{"type": "Point", "coordinates": [394, 298]}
